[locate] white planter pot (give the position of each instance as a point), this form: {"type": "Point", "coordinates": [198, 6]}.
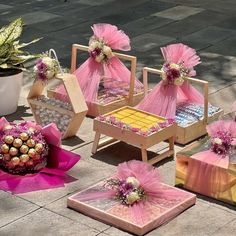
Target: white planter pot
{"type": "Point", "coordinates": [10, 87]}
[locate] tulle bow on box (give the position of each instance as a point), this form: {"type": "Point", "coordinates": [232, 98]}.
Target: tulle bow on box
{"type": "Point", "coordinates": [174, 88]}
{"type": "Point", "coordinates": [51, 175]}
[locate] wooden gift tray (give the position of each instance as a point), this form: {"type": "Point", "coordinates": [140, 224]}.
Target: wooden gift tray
{"type": "Point", "coordinates": [137, 119]}
{"type": "Point", "coordinates": [98, 108]}
{"type": "Point", "coordinates": [76, 99]}
{"type": "Point", "coordinates": [110, 211]}
{"type": "Point", "coordinates": [196, 129]}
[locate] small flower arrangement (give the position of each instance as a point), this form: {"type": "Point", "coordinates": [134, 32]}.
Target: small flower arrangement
{"type": "Point", "coordinates": [221, 143]}
{"type": "Point", "coordinates": [23, 148]}
{"type": "Point", "coordinates": [98, 50]}
{"type": "Point", "coordinates": [173, 73]}
{"type": "Point", "coordinates": [46, 68]}
{"type": "Point", "coordinates": [128, 191]}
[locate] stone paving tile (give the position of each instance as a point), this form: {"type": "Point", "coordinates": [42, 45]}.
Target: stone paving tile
{"type": "Point", "coordinates": [38, 222]}
{"type": "Point", "coordinates": [95, 2]}
{"type": "Point", "coordinates": [4, 7]}
{"type": "Point", "coordinates": [13, 208]}
{"type": "Point", "coordinates": [60, 207]}
{"type": "Point", "coordinates": [179, 12]}
{"type": "Point", "coordinates": [226, 230]}
{"type": "Point", "coordinates": [198, 220]}
{"type": "Point", "coordinates": [115, 232]}
{"type": "Point", "coordinates": [146, 42]}
{"type": "Point", "coordinates": [85, 173]}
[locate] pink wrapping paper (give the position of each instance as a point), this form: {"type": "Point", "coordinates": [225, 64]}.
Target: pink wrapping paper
{"type": "Point", "coordinates": [52, 176]}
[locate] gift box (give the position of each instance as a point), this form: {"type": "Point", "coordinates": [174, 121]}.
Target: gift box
{"type": "Point", "coordinates": [135, 127]}
{"type": "Point", "coordinates": [191, 117]}
{"type": "Point", "coordinates": [69, 115]}
{"type": "Point", "coordinates": [106, 82]}
{"type": "Point", "coordinates": [200, 169]}
{"type": "Point", "coordinates": [140, 217]}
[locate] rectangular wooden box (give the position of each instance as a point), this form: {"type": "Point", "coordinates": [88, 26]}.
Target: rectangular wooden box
{"type": "Point", "coordinates": [197, 129]}
{"type": "Point", "coordinates": [224, 178]}
{"type": "Point", "coordinates": [112, 212]}
{"type": "Point", "coordinates": [130, 137]}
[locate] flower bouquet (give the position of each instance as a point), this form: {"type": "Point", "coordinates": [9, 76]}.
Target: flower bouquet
{"type": "Point", "coordinates": [30, 157]}
{"type": "Point", "coordinates": [134, 199]}
{"type": "Point", "coordinates": [102, 62]}
{"type": "Point", "coordinates": [209, 166]}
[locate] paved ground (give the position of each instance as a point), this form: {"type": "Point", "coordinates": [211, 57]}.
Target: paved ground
{"type": "Point", "coordinates": [207, 25]}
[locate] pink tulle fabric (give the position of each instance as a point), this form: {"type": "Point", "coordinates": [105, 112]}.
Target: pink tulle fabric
{"type": "Point", "coordinates": [164, 98]}
{"type": "Point", "coordinates": [149, 180]}
{"type": "Point", "coordinates": [52, 176]}
{"type": "Point", "coordinates": [207, 171]}
{"type": "Point", "coordinates": [91, 72]}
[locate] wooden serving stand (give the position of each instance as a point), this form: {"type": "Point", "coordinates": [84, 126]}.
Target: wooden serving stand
{"type": "Point", "coordinates": [76, 99]}
{"type": "Point", "coordinates": [135, 139]}
{"type": "Point", "coordinates": [197, 129]}
{"type": "Point", "coordinates": [131, 100]}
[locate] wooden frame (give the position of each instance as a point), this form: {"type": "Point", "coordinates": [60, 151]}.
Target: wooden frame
{"type": "Point", "coordinates": [132, 100]}
{"type": "Point", "coordinates": [106, 211]}
{"type": "Point", "coordinates": [76, 99]}
{"type": "Point", "coordinates": [134, 139]}
{"type": "Point", "coordinates": [196, 129]}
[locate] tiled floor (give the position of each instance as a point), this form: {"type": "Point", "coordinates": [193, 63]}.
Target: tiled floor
{"type": "Point", "coordinates": [207, 25]}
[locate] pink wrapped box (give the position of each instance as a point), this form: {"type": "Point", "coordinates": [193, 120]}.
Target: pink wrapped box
{"type": "Point", "coordinates": [112, 212]}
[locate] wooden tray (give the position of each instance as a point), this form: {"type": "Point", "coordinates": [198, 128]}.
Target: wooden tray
{"type": "Point", "coordinates": [76, 99]}
{"type": "Point", "coordinates": [194, 130]}
{"type": "Point", "coordinates": [112, 212]}
{"type": "Point", "coordinates": [143, 142]}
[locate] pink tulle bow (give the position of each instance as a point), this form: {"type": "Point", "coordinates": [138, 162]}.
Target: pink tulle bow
{"type": "Point", "coordinates": [52, 176]}
{"type": "Point", "coordinates": [163, 99]}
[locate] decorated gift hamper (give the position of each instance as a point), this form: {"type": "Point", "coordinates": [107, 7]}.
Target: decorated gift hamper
{"type": "Point", "coordinates": [106, 83]}
{"type": "Point", "coordinates": [175, 98]}
{"type": "Point", "coordinates": [69, 115]}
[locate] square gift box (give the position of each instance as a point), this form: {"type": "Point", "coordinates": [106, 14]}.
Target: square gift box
{"type": "Point", "coordinates": [113, 212]}
{"type": "Point", "coordinates": [196, 171]}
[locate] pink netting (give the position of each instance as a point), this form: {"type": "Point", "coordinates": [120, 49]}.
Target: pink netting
{"type": "Point", "coordinates": [164, 98]}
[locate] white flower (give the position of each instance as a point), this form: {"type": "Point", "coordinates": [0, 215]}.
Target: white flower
{"type": "Point", "coordinates": [48, 61]}
{"type": "Point", "coordinates": [50, 74]}
{"type": "Point", "coordinates": [35, 69]}
{"type": "Point", "coordinates": [100, 57]}
{"type": "Point", "coordinates": [107, 51]}
{"type": "Point", "coordinates": [93, 45]}
{"type": "Point", "coordinates": [179, 81]}
{"type": "Point", "coordinates": [133, 181]}
{"type": "Point", "coordinates": [132, 197]}
{"type": "Point", "coordinates": [217, 141]}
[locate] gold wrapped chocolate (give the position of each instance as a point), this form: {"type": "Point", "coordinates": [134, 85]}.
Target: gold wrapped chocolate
{"type": "Point", "coordinates": [32, 152]}
{"type": "Point", "coordinates": [24, 149]}
{"type": "Point", "coordinates": [17, 142]}
{"type": "Point", "coordinates": [9, 139]}
{"type": "Point", "coordinates": [15, 160]}
{"type": "Point", "coordinates": [30, 163]}
{"type": "Point", "coordinates": [39, 147]}
{"type": "Point", "coordinates": [5, 148]}
{"type": "Point", "coordinates": [30, 142]}
{"type": "Point", "coordinates": [13, 151]}
{"type": "Point", "coordinates": [24, 158]}
{"type": "Point", "coordinates": [31, 129]}
{"type": "Point", "coordinates": [24, 136]}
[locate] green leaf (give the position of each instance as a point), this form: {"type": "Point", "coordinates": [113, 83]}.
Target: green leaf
{"type": "Point", "coordinates": [4, 49]}
{"type": "Point", "coordinates": [11, 32]}
{"type": "Point", "coordinates": [22, 45]}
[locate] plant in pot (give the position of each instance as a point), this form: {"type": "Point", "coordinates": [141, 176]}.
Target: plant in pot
{"type": "Point", "coordinates": [12, 59]}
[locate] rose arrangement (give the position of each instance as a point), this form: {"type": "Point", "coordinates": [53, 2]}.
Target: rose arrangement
{"type": "Point", "coordinates": [23, 148]}
{"type": "Point", "coordinates": [98, 50]}
{"type": "Point", "coordinates": [46, 68]}
{"type": "Point", "coordinates": [173, 73]}
{"type": "Point", "coordinates": [128, 191]}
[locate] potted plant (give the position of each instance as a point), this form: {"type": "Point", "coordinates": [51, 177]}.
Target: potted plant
{"type": "Point", "coordinates": [12, 58]}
